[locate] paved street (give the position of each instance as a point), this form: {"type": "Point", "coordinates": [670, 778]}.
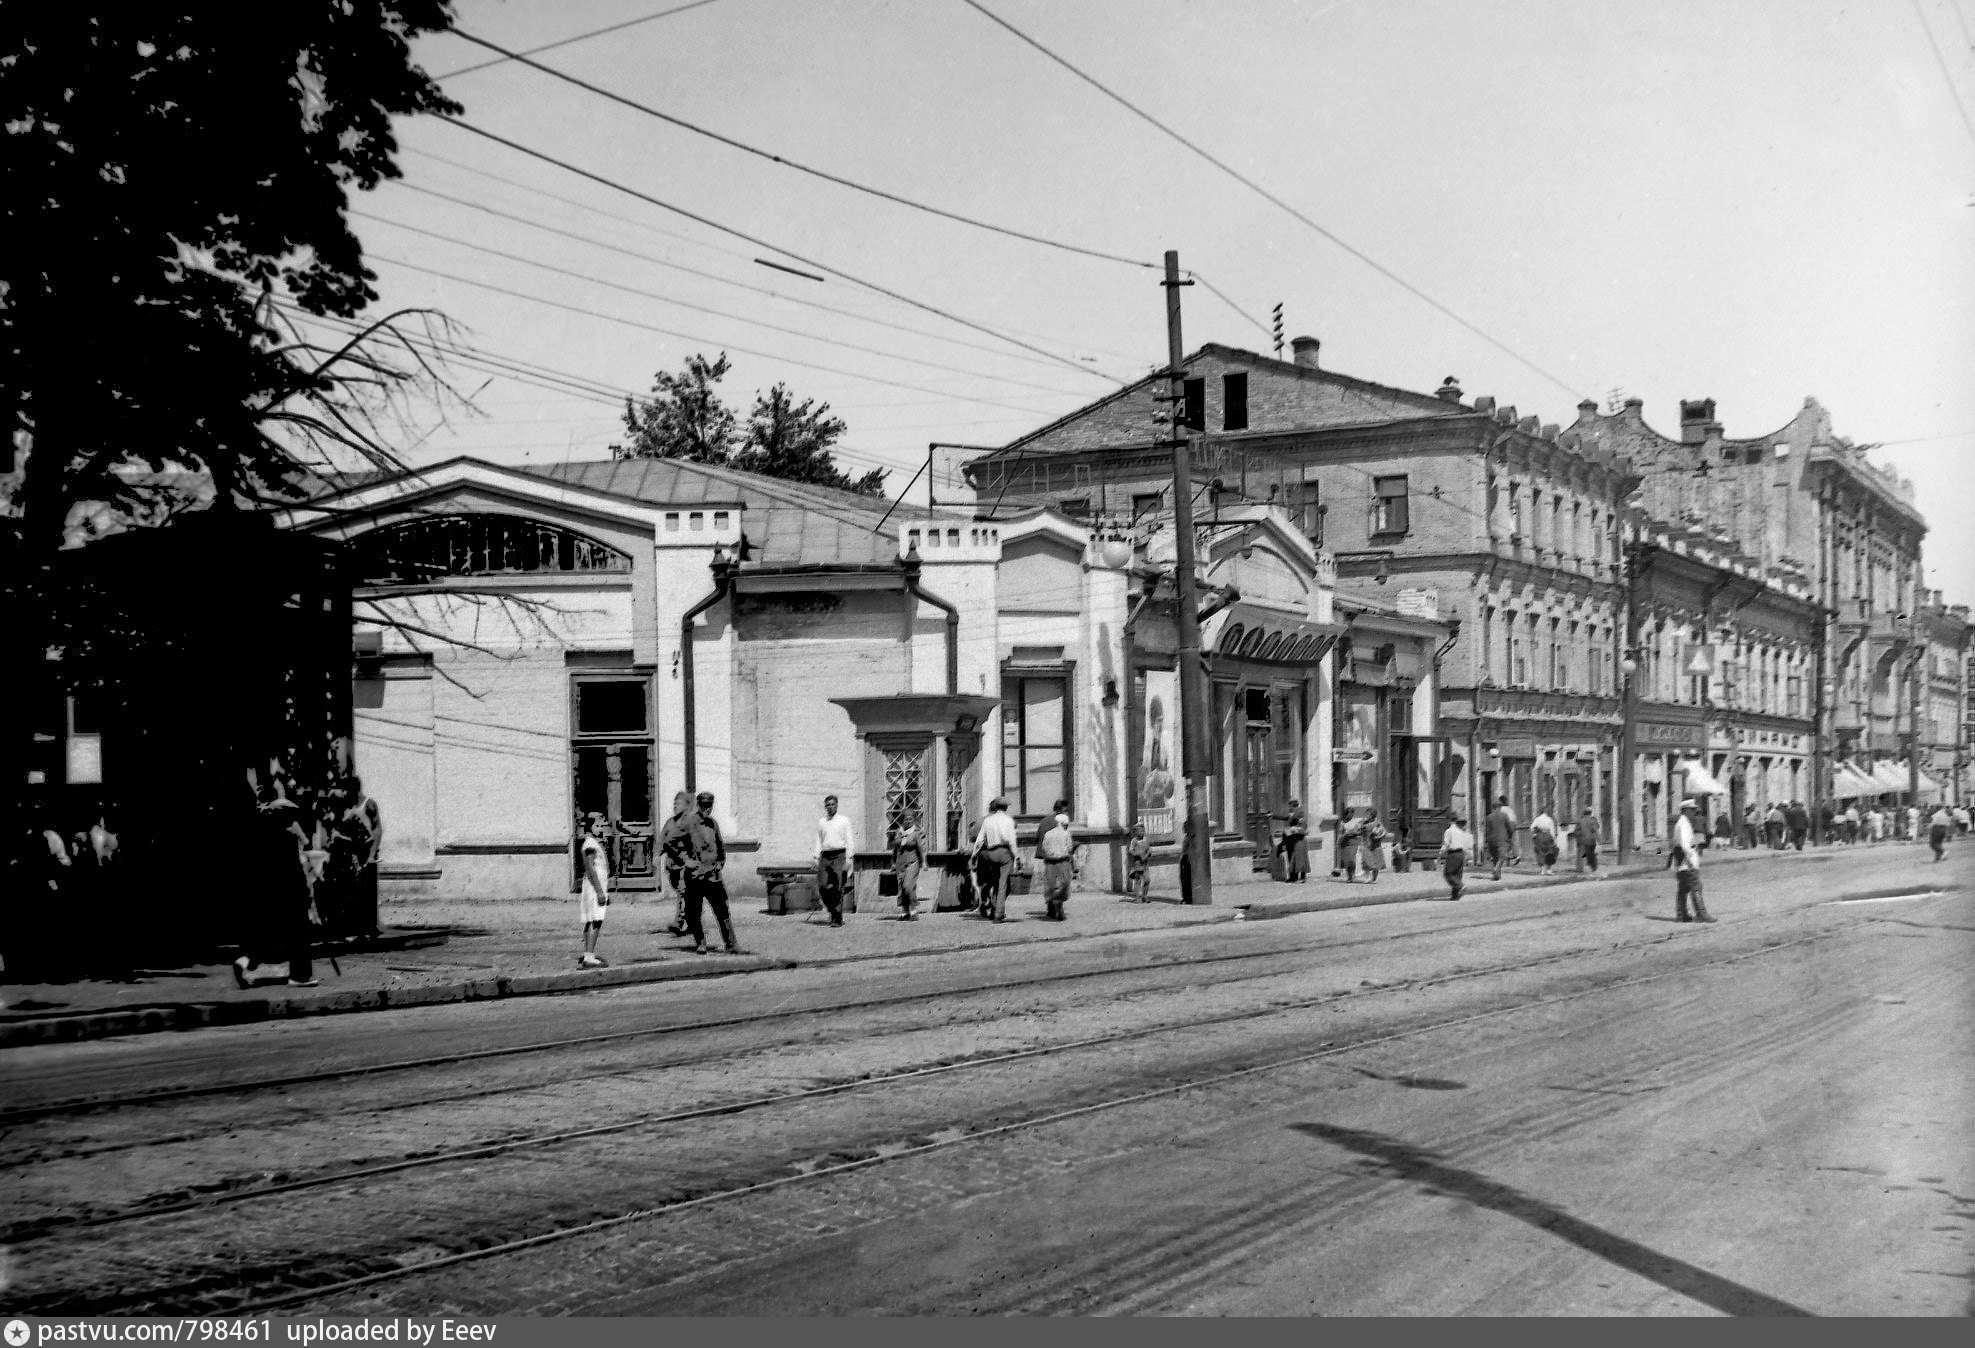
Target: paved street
{"type": "Point", "coordinates": [1539, 1101]}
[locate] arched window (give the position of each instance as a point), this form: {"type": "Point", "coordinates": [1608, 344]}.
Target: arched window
{"type": "Point", "coordinates": [434, 546]}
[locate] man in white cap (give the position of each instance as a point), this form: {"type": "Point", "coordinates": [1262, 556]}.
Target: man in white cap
{"type": "Point", "coordinates": [1685, 858]}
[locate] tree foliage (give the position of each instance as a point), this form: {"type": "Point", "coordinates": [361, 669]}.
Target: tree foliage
{"type": "Point", "coordinates": [174, 175]}
{"type": "Point", "coordinates": [684, 418]}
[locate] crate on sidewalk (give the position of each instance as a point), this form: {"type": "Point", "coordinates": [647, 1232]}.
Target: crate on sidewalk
{"type": "Point", "coordinates": [791, 889]}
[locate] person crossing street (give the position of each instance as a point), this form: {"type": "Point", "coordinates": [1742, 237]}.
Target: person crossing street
{"type": "Point", "coordinates": [1685, 858]}
{"type": "Point", "coordinates": [1455, 844]}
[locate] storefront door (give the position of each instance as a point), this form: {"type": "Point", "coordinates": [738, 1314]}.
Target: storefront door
{"type": "Point", "coordinates": [611, 763]}
{"type": "Point", "coordinates": [1259, 792]}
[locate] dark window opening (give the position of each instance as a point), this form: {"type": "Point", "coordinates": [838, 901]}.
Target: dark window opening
{"type": "Point", "coordinates": [1193, 412]}
{"type": "Point", "coordinates": [1076, 507]}
{"type": "Point", "coordinates": [1146, 503]}
{"type": "Point", "coordinates": [1307, 507]}
{"type": "Point", "coordinates": [1256, 704]}
{"type": "Point", "coordinates": [1234, 402]}
{"type": "Point", "coordinates": [610, 707]}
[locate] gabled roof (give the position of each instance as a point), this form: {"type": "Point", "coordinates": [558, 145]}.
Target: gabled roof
{"type": "Point", "coordinates": [1427, 404]}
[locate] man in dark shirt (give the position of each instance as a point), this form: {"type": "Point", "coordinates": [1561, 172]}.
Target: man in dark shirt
{"type": "Point", "coordinates": [1587, 840]}
{"type": "Point", "coordinates": [699, 853]}
{"type": "Point", "coordinates": [1498, 835]}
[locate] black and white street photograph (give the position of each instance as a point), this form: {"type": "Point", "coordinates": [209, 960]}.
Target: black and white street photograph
{"type": "Point", "coordinates": [984, 658]}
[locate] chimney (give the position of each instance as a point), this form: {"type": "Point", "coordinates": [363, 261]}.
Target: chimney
{"type": "Point", "coordinates": [1449, 390]}
{"type": "Point", "coordinates": [1305, 349]}
{"type": "Point", "coordinates": [1695, 418]}
{"type": "Point", "coordinates": [1587, 410]}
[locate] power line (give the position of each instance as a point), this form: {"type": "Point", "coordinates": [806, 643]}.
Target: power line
{"type": "Point", "coordinates": [684, 336]}
{"type": "Point", "coordinates": [763, 243]}
{"type": "Point", "coordinates": [1216, 292]}
{"type": "Point", "coordinates": [580, 37]}
{"type": "Point", "coordinates": [1271, 198]}
{"type": "Point", "coordinates": [1954, 94]}
{"type": "Point", "coordinates": [785, 162]}
{"type": "Point", "coordinates": [718, 279]}
{"type": "Point", "coordinates": [707, 309]}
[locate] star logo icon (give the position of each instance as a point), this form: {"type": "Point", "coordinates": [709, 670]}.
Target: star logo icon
{"type": "Point", "coordinates": [17, 1333]}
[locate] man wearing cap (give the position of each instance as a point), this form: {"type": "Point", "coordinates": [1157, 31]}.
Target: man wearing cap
{"type": "Point", "coordinates": [1455, 844]}
{"type": "Point", "coordinates": [701, 853]}
{"type": "Point", "coordinates": [1685, 858]}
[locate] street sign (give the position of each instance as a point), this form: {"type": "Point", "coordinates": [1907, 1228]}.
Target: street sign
{"type": "Point", "coordinates": [1354, 756]}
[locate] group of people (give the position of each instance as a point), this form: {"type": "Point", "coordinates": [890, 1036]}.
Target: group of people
{"type": "Point", "coordinates": [315, 866]}
{"type": "Point", "coordinates": [1497, 844]}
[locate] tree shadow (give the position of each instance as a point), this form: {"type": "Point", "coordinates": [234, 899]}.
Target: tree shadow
{"type": "Point", "coordinates": [1404, 1161]}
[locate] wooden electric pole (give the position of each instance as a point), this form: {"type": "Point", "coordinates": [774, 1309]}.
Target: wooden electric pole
{"type": "Point", "coordinates": [1196, 720]}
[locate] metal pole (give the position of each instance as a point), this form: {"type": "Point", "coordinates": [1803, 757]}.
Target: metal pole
{"type": "Point", "coordinates": [1820, 635]}
{"type": "Point", "coordinates": [1196, 721]}
{"type": "Point", "coordinates": [1914, 665]}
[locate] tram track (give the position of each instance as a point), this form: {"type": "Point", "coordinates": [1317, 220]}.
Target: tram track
{"type": "Point", "coordinates": [80, 1105]}
{"type": "Point", "coordinates": [900, 1152]}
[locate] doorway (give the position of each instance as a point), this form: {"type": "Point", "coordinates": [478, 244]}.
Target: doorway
{"type": "Point", "coordinates": [613, 771]}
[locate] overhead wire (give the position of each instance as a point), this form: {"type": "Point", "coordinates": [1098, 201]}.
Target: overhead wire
{"type": "Point", "coordinates": [723, 280]}
{"type": "Point", "coordinates": [785, 162]}
{"type": "Point", "coordinates": [763, 243]}
{"type": "Point", "coordinates": [1277, 201]}
{"type": "Point", "coordinates": [707, 309]}
{"type": "Point", "coordinates": [1947, 75]}
{"type": "Point", "coordinates": [580, 37]}
{"type": "Point", "coordinates": [1217, 293]}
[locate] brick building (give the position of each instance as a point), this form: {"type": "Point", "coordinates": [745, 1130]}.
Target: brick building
{"type": "Point", "coordinates": [1805, 504]}
{"type": "Point", "coordinates": [1944, 696]}
{"type": "Point", "coordinates": [1723, 659]}
{"type": "Point", "coordinates": [1492, 525]}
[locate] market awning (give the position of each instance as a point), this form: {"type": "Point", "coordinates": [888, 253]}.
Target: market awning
{"type": "Point", "coordinates": [1888, 777]}
{"type": "Point", "coordinates": [1700, 782]}
{"type": "Point", "coordinates": [1847, 782]}
{"type": "Point", "coordinates": [1930, 789]}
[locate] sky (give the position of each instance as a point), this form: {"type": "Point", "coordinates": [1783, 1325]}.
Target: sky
{"type": "Point", "coordinates": [1756, 201]}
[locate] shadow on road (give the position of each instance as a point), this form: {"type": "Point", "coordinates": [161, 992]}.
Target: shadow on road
{"type": "Point", "coordinates": [1404, 1161]}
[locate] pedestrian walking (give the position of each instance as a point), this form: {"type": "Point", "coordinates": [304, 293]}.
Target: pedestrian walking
{"type": "Point", "coordinates": [1295, 845]}
{"type": "Point", "coordinates": [1797, 818]}
{"type": "Point", "coordinates": [1851, 822]}
{"type": "Point", "coordinates": [1875, 826]}
{"type": "Point", "coordinates": [1053, 851]}
{"type": "Point", "coordinates": [675, 871]}
{"type": "Point", "coordinates": [279, 930]}
{"type": "Point", "coordinates": [1402, 850]}
{"type": "Point", "coordinates": [1937, 831]}
{"type": "Point", "coordinates": [1685, 858]}
{"type": "Point", "coordinates": [1138, 865]}
{"type": "Point", "coordinates": [993, 855]}
{"type": "Point", "coordinates": [1913, 822]}
{"type": "Point", "coordinates": [1498, 834]}
{"type": "Point", "coordinates": [1587, 840]}
{"type": "Point", "coordinates": [908, 858]}
{"type": "Point", "coordinates": [1543, 840]}
{"type": "Point", "coordinates": [1455, 844]}
{"type": "Point", "coordinates": [836, 847]}
{"type": "Point", "coordinates": [1774, 824]}
{"type": "Point", "coordinates": [702, 854]}
{"type": "Point", "coordinates": [1961, 821]}
{"type": "Point", "coordinates": [1347, 847]}
{"type": "Point", "coordinates": [1371, 844]}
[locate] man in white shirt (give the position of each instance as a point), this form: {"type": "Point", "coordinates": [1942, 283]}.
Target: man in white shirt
{"type": "Point", "coordinates": [1455, 844]}
{"type": "Point", "coordinates": [1938, 825]}
{"type": "Point", "coordinates": [835, 846]}
{"type": "Point", "coordinates": [1685, 858]}
{"type": "Point", "coordinates": [994, 859]}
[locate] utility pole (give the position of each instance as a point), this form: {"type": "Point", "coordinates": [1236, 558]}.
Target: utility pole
{"type": "Point", "coordinates": [1915, 667]}
{"type": "Point", "coordinates": [1196, 753]}
{"type": "Point", "coordinates": [1629, 666]}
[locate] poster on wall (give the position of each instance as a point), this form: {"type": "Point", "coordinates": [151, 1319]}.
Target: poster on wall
{"type": "Point", "coordinates": [1157, 781]}
{"type": "Point", "coordinates": [1356, 754]}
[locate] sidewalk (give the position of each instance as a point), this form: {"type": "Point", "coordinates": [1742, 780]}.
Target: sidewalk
{"type": "Point", "coordinates": [439, 951]}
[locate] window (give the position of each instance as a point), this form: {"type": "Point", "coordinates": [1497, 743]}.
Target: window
{"type": "Point", "coordinates": [1308, 509]}
{"type": "Point", "coordinates": [433, 546]}
{"type": "Point", "coordinates": [1193, 411]}
{"type": "Point", "coordinates": [1486, 667]}
{"type": "Point", "coordinates": [1518, 668]}
{"type": "Point", "coordinates": [1146, 503]}
{"type": "Point", "coordinates": [1076, 507]}
{"type": "Point", "coordinates": [1389, 511]}
{"type": "Point", "coordinates": [1234, 402]}
{"type": "Point", "coordinates": [1035, 725]}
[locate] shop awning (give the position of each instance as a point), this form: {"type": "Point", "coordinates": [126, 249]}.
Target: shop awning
{"type": "Point", "coordinates": [1930, 789]}
{"type": "Point", "coordinates": [1889, 777]}
{"type": "Point", "coordinates": [1250, 632]}
{"type": "Point", "coordinates": [1700, 782]}
{"type": "Point", "coordinates": [1847, 782]}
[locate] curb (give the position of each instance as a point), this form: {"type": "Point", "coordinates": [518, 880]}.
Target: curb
{"type": "Point", "coordinates": [202, 1015]}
